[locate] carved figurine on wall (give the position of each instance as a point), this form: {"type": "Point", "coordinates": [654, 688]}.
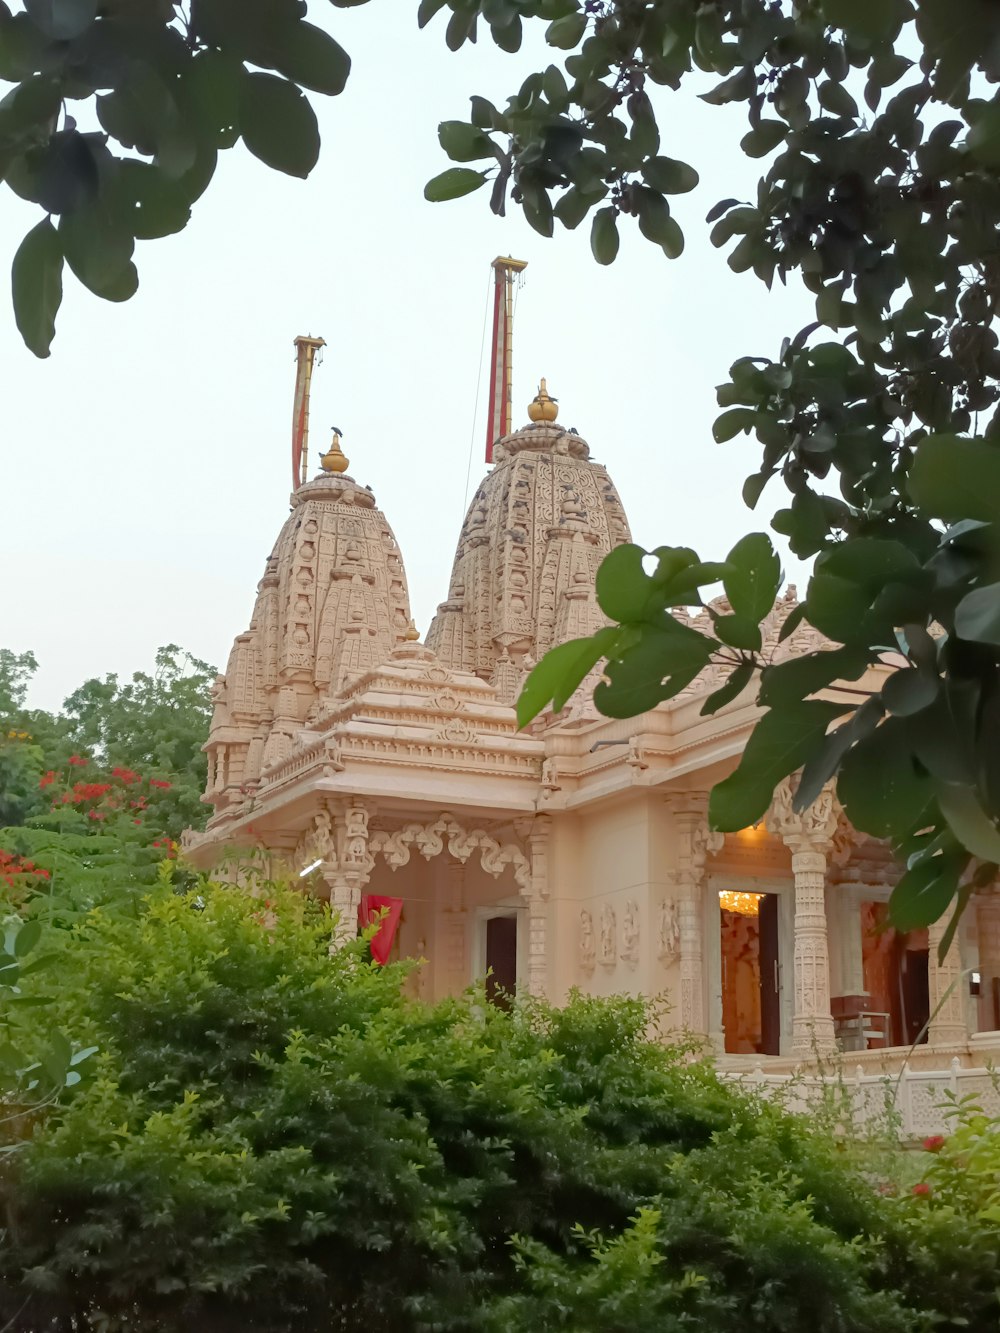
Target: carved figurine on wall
{"type": "Point", "coordinates": [588, 946]}
{"type": "Point", "coordinates": [609, 935]}
{"type": "Point", "coordinates": [669, 941]}
{"type": "Point", "coordinates": [630, 932]}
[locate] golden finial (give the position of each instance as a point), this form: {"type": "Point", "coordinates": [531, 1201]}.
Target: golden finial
{"type": "Point", "coordinates": [542, 407]}
{"type": "Point", "coordinates": [412, 634]}
{"type": "Point", "coordinates": [335, 460]}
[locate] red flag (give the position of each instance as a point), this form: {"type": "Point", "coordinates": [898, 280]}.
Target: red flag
{"type": "Point", "coordinates": [372, 907]}
{"type": "Point", "coordinates": [497, 424]}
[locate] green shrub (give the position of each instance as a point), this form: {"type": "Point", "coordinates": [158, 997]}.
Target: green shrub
{"type": "Point", "coordinates": [276, 1138]}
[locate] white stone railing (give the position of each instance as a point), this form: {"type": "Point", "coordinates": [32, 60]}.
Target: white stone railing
{"type": "Point", "coordinates": [915, 1103]}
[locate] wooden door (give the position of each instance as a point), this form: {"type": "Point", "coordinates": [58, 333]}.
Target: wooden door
{"type": "Point", "coordinates": [770, 977]}
{"type": "Point", "coordinates": [501, 959]}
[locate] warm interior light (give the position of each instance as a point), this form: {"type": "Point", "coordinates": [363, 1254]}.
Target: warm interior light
{"type": "Point", "coordinates": [734, 900]}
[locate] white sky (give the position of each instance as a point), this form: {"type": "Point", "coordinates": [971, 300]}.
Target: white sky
{"type": "Point", "coordinates": [144, 466]}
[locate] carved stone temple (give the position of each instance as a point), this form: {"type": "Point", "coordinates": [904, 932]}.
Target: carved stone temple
{"type": "Point", "coordinates": [576, 853]}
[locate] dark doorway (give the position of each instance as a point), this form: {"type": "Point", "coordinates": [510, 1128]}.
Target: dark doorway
{"type": "Point", "coordinates": [751, 979]}
{"type": "Point", "coordinates": [501, 960]}
{"type": "Point", "coordinates": [895, 970]}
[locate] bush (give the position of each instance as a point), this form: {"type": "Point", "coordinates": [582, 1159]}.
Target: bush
{"type": "Point", "coordinates": [276, 1138]}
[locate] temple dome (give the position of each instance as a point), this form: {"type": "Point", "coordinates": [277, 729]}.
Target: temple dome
{"type": "Point", "coordinates": [332, 604]}
{"type": "Point", "coordinates": [523, 578]}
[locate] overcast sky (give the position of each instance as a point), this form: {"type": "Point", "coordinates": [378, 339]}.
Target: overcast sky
{"type": "Point", "coordinates": [144, 469]}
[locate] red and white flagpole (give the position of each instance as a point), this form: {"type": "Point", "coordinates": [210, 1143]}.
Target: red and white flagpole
{"type": "Point", "coordinates": [501, 362]}
{"type": "Point", "coordinates": [305, 356]}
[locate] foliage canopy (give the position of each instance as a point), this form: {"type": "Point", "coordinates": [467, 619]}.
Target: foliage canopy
{"type": "Point", "coordinates": [879, 135]}
{"type": "Point", "coordinates": [275, 1137]}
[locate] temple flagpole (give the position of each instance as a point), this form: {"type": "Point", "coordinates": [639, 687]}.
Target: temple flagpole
{"type": "Point", "coordinates": [501, 362]}
{"type": "Point", "coordinates": [305, 355]}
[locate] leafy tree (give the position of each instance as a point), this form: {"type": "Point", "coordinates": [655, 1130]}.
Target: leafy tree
{"type": "Point", "coordinates": [170, 86]}
{"type": "Point", "coordinates": [880, 135]}
{"type": "Point", "coordinates": [275, 1137]}
{"type": "Point", "coordinates": [155, 723]}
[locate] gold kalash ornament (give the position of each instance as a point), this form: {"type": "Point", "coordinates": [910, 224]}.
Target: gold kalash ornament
{"type": "Point", "coordinates": [542, 407]}
{"type": "Point", "coordinates": [335, 460]}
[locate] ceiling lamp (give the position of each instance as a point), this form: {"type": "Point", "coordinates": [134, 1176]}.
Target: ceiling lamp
{"type": "Point", "coordinates": [745, 904]}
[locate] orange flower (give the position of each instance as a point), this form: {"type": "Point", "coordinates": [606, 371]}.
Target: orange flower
{"type": "Point", "coordinates": [934, 1143]}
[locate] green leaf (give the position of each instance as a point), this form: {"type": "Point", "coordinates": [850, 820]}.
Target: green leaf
{"type": "Point", "coordinates": [730, 423]}
{"type": "Point", "coordinates": [625, 592]}
{"type": "Point", "coordinates": [26, 938]}
{"type": "Point", "coordinates": [908, 691]}
{"type": "Point", "coordinates": [923, 893]}
{"type": "Point", "coordinates": [604, 236]}
{"type": "Point", "coordinates": [537, 207]}
{"type": "Point", "coordinates": [566, 32]}
{"type": "Point", "coordinates": [212, 92]}
{"type": "Point", "coordinates": [753, 576]}
{"type": "Point", "coordinates": [464, 143]}
{"type": "Point", "coordinates": [824, 763]}
{"type": "Point", "coordinates": [799, 676]}
{"type": "Point", "coordinates": [764, 139]}
{"type": "Point", "coordinates": [426, 11]}
{"type": "Point", "coordinates": [837, 607]}
{"type": "Point", "coordinates": [977, 616]}
{"type": "Point", "coordinates": [871, 20]}
{"type": "Point", "coordinates": [278, 124]}
{"type": "Point", "coordinates": [669, 176]}
{"type": "Point", "coordinates": [738, 632]}
{"type": "Point", "coordinates": [36, 282]}
{"type": "Point", "coordinates": [663, 660]}
{"type": "Point", "coordinates": [969, 822]}
{"type": "Point", "coordinates": [572, 208]}
{"type": "Point", "coordinates": [560, 672]}
{"type": "Point", "coordinates": [452, 184]}
{"type": "Point", "coordinates": [835, 98]}
{"type": "Point", "coordinates": [738, 680]}
{"type": "Point", "coordinates": [780, 743]}
{"type": "Point", "coordinates": [309, 56]}
{"type": "Point", "coordinates": [62, 20]}
{"type": "Point", "coordinates": [97, 245]}
{"type": "Point", "coordinates": [880, 787]}
{"type": "Point", "coordinates": [955, 478]}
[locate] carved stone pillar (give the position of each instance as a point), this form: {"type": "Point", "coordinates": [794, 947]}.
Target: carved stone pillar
{"type": "Point", "coordinates": [342, 840]}
{"type": "Point", "coordinates": [695, 842]}
{"type": "Point", "coordinates": [946, 987]}
{"type": "Point", "coordinates": [988, 930]}
{"type": "Point", "coordinates": [538, 907]}
{"type": "Point", "coordinates": [455, 928]}
{"type": "Point", "coordinates": [809, 836]}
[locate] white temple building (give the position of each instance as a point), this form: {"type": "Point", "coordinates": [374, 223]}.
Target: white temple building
{"type": "Point", "coordinates": [575, 854]}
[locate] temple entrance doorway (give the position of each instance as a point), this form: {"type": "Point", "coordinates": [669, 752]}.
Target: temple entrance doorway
{"type": "Point", "coordinates": [894, 968]}
{"type": "Point", "coordinates": [501, 960]}
{"type": "Point", "coordinates": [751, 974]}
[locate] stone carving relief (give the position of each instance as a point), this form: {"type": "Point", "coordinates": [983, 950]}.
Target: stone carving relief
{"type": "Point", "coordinates": [668, 934]}
{"type": "Point", "coordinates": [431, 839]}
{"type": "Point", "coordinates": [332, 604]}
{"type": "Point", "coordinates": [609, 936]}
{"type": "Point", "coordinates": [812, 827]}
{"type": "Point", "coordinates": [630, 932]}
{"type": "Point", "coordinates": [529, 548]}
{"type": "Point", "coordinates": [588, 945]}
